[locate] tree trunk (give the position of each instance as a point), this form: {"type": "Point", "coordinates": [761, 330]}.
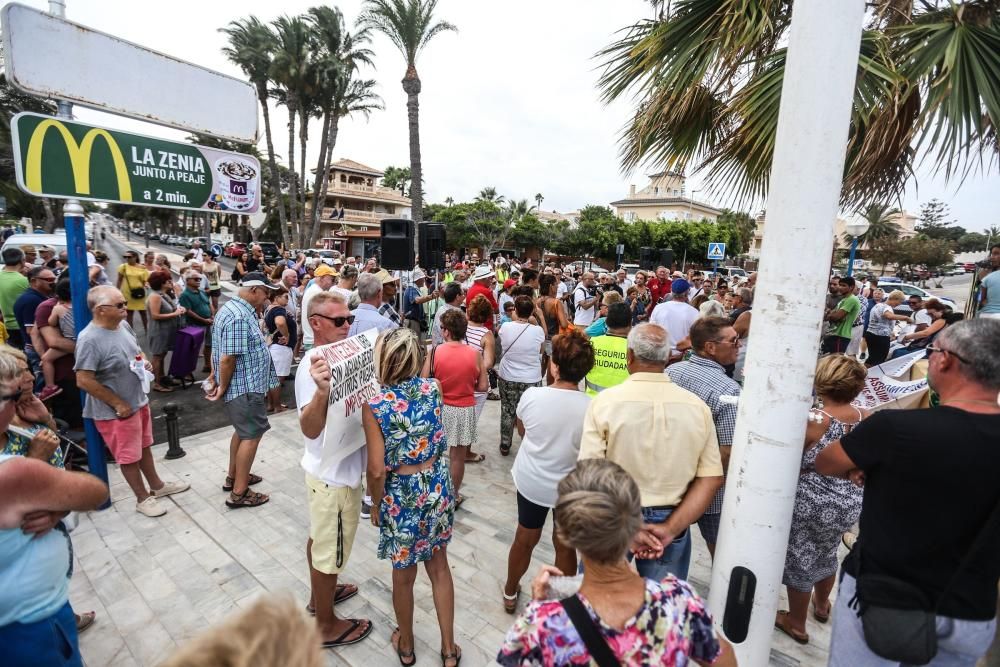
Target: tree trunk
{"type": "Point", "coordinates": [50, 216]}
{"type": "Point", "coordinates": [273, 164]}
{"type": "Point", "coordinates": [293, 193]}
{"type": "Point", "coordinates": [411, 86]}
{"type": "Point", "coordinates": [331, 143]}
{"type": "Point", "coordinates": [303, 139]}
{"type": "Point", "coordinates": [207, 231]}
{"type": "Point", "coordinates": [319, 184]}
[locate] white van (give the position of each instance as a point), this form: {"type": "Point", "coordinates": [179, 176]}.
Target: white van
{"type": "Point", "coordinates": [57, 241]}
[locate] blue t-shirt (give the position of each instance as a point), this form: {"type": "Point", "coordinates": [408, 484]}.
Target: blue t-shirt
{"type": "Point", "coordinates": [34, 579]}
{"type": "Point", "coordinates": [272, 328]}
{"type": "Point", "coordinates": [25, 307]}
{"type": "Point", "coordinates": [992, 285]}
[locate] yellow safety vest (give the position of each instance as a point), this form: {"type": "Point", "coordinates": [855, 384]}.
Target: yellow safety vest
{"type": "Point", "coordinates": [609, 363]}
{"type": "Point", "coordinates": [449, 277]}
{"type": "Point", "coordinates": [502, 276]}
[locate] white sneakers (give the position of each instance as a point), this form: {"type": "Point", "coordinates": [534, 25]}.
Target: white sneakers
{"type": "Point", "coordinates": [170, 488]}
{"type": "Point", "coordinates": [150, 507]}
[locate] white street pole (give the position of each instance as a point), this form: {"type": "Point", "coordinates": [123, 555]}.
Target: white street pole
{"type": "Point", "coordinates": [806, 178]}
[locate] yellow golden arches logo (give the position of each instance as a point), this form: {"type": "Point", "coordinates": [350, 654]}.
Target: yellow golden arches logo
{"type": "Point", "coordinates": [79, 158]}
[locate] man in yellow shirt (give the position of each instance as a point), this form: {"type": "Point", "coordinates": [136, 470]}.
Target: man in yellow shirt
{"type": "Point", "coordinates": [665, 438]}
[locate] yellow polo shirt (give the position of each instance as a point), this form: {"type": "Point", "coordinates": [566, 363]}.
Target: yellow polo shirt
{"type": "Point", "coordinates": [659, 433]}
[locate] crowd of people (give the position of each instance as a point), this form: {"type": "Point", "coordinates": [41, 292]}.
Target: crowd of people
{"type": "Point", "coordinates": [623, 392]}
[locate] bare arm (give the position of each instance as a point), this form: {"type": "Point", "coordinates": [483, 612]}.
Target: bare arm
{"type": "Point", "coordinates": [282, 326]}
{"type": "Point", "coordinates": [742, 324]}
{"type": "Point", "coordinates": [935, 326]}
{"type": "Point", "coordinates": [696, 500]}
{"type": "Point", "coordinates": [28, 485]}
{"type": "Point", "coordinates": [519, 425]}
{"type": "Point", "coordinates": [54, 339]}
{"type": "Point", "coordinates": [313, 415]}
{"type": "Point", "coordinates": [489, 350]}
{"type": "Point", "coordinates": [87, 381]}
{"type": "Point", "coordinates": [833, 461]}
{"type": "Point", "coordinates": [376, 459]}
{"type": "Point", "coordinates": [483, 383]}
{"type": "Point", "coordinates": [227, 366]}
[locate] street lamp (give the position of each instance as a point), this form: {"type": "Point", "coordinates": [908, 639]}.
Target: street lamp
{"type": "Point", "coordinates": [856, 230]}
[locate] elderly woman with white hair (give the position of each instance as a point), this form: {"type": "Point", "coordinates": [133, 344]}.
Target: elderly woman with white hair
{"type": "Point", "coordinates": [628, 620]}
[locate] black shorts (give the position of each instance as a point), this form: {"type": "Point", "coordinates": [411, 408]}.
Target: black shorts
{"type": "Point", "coordinates": [530, 515]}
{"type": "Point", "coordinates": [835, 345]}
{"type": "Point", "coordinates": [215, 292]}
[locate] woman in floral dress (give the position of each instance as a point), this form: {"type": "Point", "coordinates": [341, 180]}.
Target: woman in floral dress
{"type": "Point", "coordinates": [643, 622]}
{"type": "Point", "coordinates": [410, 482]}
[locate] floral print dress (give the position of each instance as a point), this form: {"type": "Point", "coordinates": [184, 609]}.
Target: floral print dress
{"type": "Point", "coordinates": [416, 513]}
{"type": "Point", "coordinates": [672, 628]}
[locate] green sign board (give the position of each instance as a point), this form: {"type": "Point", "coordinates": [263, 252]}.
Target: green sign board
{"type": "Point", "coordinates": [59, 158]}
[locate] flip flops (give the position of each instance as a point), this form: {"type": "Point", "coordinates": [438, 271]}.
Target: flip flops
{"type": "Point", "coordinates": [802, 638]}
{"type": "Point", "coordinates": [339, 596]}
{"type": "Point", "coordinates": [341, 641]}
{"type": "Point", "coordinates": [409, 656]}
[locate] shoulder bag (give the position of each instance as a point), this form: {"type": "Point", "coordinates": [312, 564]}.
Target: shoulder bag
{"type": "Point", "coordinates": [596, 645]}
{"type": "Point", "coordinates": [500, 351]}
{"type": "Point", "coordinates": [898, 618]}
{"type": "Point", "coordinates": [134, 292]}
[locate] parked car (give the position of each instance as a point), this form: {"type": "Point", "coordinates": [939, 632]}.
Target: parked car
{"type": "Point", "coordinates": [201, 239]}
{"type": "Point", "coordinates": [270, 250]}
{"type": "Point", "coordinates": [171, 240]}
{"type": "Point", "coordinates": [955, 271]}
{"type": "Point", "coordinates": [728, 272]}
{"type": "Point", "coordinates": [234, 249]}
{"type": "Point", "coordinates": [969, 267]}
{"type": "Point", "coordinates": [57, 241]}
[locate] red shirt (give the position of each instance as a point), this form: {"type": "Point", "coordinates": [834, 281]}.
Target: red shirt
{"type": "Point", "coordinates": [478, 289]}
{"type": "Point", "coordinates": [657, 290]}
{"type": "Point", "coordinates": [455, 368]}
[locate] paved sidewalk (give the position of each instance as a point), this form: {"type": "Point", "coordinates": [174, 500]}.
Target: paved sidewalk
{"type": "Point", "coordinates": [158, 582]}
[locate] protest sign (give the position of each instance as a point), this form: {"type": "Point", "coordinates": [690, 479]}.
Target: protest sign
{"type": "Point", "coordinates": [352, 382]}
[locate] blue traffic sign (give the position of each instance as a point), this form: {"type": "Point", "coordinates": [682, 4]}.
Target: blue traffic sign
{"type": "Point", "coordinates": [716, 250]}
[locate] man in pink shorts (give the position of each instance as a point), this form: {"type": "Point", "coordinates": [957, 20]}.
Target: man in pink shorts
{"type": "Point", "coordinates": [105, 352]}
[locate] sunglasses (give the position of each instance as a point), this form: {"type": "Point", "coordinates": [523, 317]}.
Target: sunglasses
{"type": "Point", "coordinates": [934, 348]}
{"type": "Point", "coordinates": [119, 305]}
{"type": "Point", "coordinates": [337, 321]}
{"type": "Point", "coordinates": [15, 397]}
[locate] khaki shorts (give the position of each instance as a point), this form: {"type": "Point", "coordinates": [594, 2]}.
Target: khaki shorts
{"type": "Point", "coordinates": [334, 513]}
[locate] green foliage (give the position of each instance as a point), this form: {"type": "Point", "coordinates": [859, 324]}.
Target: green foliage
{"type": "Point", "coordinates": [971, 242]}
{"type": "Point", "coordinates": [397, 178]}
{"type": "Point", "coordinates": [934, 222]}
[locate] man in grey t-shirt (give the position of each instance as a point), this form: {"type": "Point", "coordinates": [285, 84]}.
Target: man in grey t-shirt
{"type": "Point", "coordinates": [108, 366]}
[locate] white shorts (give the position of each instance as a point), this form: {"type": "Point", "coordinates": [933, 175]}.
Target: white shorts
{"type": "Point", "coordinates": [281, 355]}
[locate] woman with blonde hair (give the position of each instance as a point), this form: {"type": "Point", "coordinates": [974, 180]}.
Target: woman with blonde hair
{"type": "Point", "coordinates": [641, 621]}
{"type": "Point", "coordinates": [825, 507]}
{"type": "Point", "coordinates": [878, 336]}
{"type": "Point", "coordinates": [410, 483]}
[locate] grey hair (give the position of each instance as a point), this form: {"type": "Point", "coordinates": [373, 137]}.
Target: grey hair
{"type": "Point", "coordinates": [649, 342]}
{"type": "Point", "coordinates": [192, 274]}
{"type": "Point", "coordinates": [746, 295]}
{"type": "Point", "coordinates": [368, 286]}
{"type": "Point", "coordinates": [97, 295]}
{"type": "Point", "coordinates": [712, 309]}
{"type": "Point", "coordinates": [319, 299]}
{"type": "Point", "coordinates": [978, 342]}
{"type": "Point", "coordinates": [289, 271]}
{"type": "Point", "coordinates": [599, 510]}
{"type": "Point", "coordinates": [10, 370]}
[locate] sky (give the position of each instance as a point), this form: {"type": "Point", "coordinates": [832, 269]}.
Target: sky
{"type": "Point", "coordinates": [508, 101]}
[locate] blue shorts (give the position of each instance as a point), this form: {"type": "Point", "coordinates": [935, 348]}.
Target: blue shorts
{"type": "Point", "coordinates": [50, 642]}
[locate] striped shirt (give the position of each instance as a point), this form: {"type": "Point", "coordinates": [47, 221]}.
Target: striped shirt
{"type": "Point", "coordinates": [474, 337]}
{"type": "Point", "coordinates": [708, 381]}
{"type": "Point", "coordinates": [236, 333]}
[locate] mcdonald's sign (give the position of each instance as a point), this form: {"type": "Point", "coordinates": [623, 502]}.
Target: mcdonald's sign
{"type": "Point", "coordinates": [54, 157]}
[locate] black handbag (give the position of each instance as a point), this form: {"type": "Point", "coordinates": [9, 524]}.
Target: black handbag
{"type": "Point", "coordinates": [596, 645]}
{"type": "Point", "coordinates": [899, 620]}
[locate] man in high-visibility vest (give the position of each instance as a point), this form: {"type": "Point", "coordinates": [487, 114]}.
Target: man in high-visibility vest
{"type": "Point", "coordinates": [610, 351]}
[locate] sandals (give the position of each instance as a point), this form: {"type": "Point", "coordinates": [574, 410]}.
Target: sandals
{"type": "Point", "coordinates": [85, 620]}
{"type": "Point", "coordinates": [505, 451]}
{"type": "Point", "coordinates": [254, 479]}
{"type": "Point", "coordinates": [510, 601]}
{"type": "Point", "coordinates": [455, 655]}
{"type": "Point", "coordinates": [339, 596]}
{"type": "Point", "coordinates": [162, 389]}
{"type": "Point", "coordinates": [355, 624]}
{"type": "Point", "coordinates": [475, 458]}
{"type": "Point", "coordinates": [802, 638]}
{"type": "Point", "coordinates": [822, 618]}
{"type": "Point", "coordinates": [246, 499]}
{"type": "Point", "coordinates": [401, 654]}
{"type": "Point", "coordinates": [459, 500]}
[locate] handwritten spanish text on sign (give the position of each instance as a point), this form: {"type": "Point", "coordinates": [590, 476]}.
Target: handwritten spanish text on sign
{"type": "Point", "coordinates": [352, 382]}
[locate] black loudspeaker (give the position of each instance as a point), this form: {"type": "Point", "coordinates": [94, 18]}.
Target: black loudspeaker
{"type": "Point", "coordinates": [397, 244]}
{"type": "Point", "coordinates": [647, 259]}
{"type": "Point", "coordinates": [432, 246]}
{"type": "Point", "coordinates": [667, 258]}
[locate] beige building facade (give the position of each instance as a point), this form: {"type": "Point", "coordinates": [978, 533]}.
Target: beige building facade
{"type": "Point", "coordinates": [664, 198]}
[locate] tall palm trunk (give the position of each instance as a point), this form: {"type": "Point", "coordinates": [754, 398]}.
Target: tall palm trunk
{"type": "Point", "coordinates": [319, 185]}
{"type": "Point", "coordinates": [277, 202]}
{"type": "Point", "coordinates": [331, 143]}
{"type": "Point", "coordinates": [303, 196]}
{"type": "Point", "coordinates": [293, 193]}
{"type": "Point", "coordinates": [411, 86]}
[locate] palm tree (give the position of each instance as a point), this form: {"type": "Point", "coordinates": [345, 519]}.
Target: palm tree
{"type": "Point", "coordinates": [291, 72]}
{"type": "Point", "coordinates": [538, 200]}
{"type": "Point", "coordinates": [360, 97]}
{"type": "Point", "coordinates": [707, 77]}
{"type": "Point", "coordinates": [489, 193]}
{"type": "Point", "coordinates": [410, 25]}
{"type": "Point", "coordinates": [881, 226]}
{"type": "Point", "coordinates": [251, 48]}
{"type": "Point", "coordinates": [449, 201]}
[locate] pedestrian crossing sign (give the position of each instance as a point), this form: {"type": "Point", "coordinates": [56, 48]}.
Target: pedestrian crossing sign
{"type": "Point", "coordinates": [716, 250]}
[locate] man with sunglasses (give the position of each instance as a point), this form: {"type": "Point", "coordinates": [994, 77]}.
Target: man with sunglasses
{"type": "Point", "coordinates": [242, 374]}
{"type": "Point", "coordinates": [716, 346]}
{"type": "Point", "coordinates": [105, 352]}
{"type": "Point", "coordinates": [334, 489]}
{"type": "Point", "coordinates": [931, 508]}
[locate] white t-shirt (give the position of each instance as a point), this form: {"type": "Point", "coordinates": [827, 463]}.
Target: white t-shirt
{"type": "Point", "coordinates": [522, 347]}
{"type": "Point", "coordinates": [199, 255]}
{"type": "Point", "coordinates": [561, 289]}
{"type": "Point", "coordinates": [582, 316]}
{"type": "Point", "coordinates": [676, 317]}
{"type": "Point", "coordinates": [307, 332]}
{"type": "Point", "coordinates": [347, 471]}
{"type": "Point", "coordinates": [550, 446]}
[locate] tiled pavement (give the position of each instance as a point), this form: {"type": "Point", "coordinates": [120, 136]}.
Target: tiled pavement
{"type": "Point", "coordinates": [157, 582]}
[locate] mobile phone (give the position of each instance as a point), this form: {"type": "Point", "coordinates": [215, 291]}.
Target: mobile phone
{"type": "Point", "coordinates": [23, 432]}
